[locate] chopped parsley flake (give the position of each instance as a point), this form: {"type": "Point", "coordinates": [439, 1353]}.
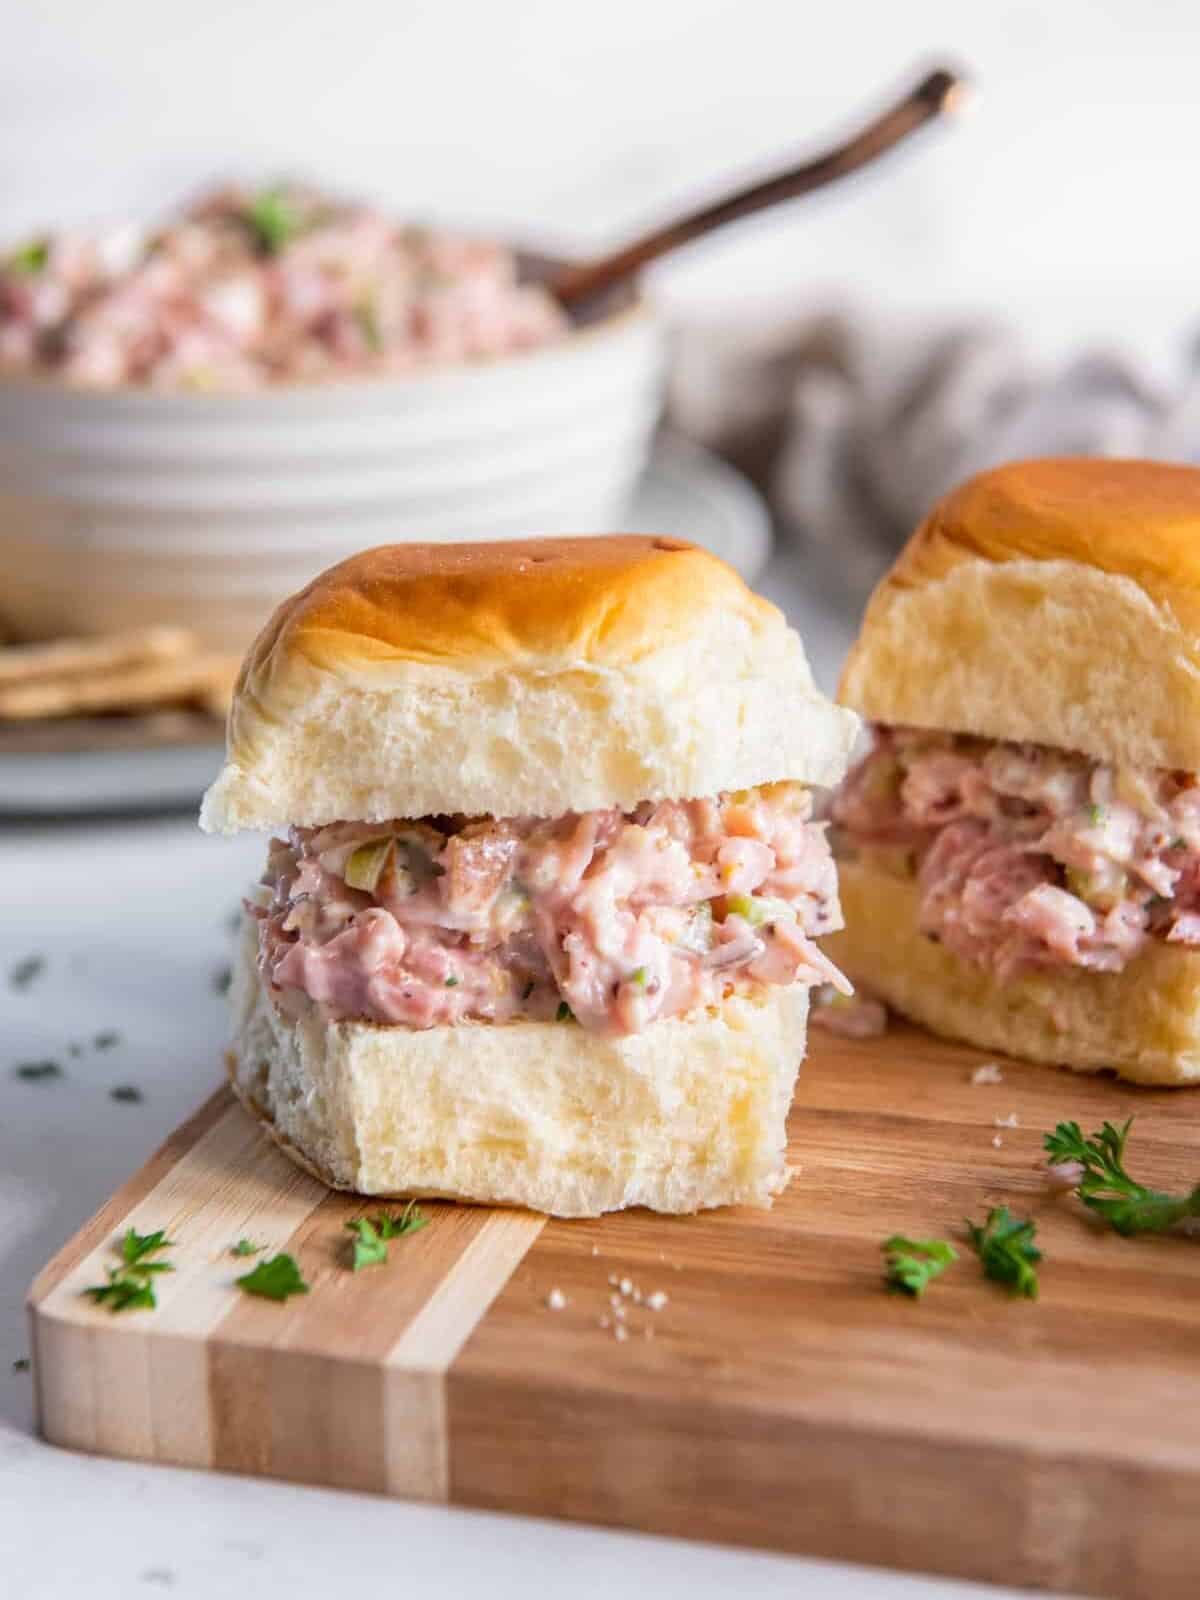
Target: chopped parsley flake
{"type": "Point", "coordinates": [912, 1264]}
{"type": "Point", "coordinates": [272, 220]}
{"type": "Point", "coordinates": [1006, 1250]}
{"type": "Point", "coordinates": [36, 1071]}
{"type": "Point", "coordinates": [371, 1235]}
{"type": "Point", "coordinates": [276, 1279]}
{"type": "Point", "coordinates": [130, 1286]}
{"type": "Point", "coordinates": [26, 972]}
{"type": "Point", "coordinates": [30, 258]}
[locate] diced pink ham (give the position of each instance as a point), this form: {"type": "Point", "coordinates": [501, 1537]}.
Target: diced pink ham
{"type": "Point", "coordinates": [212, 301]}
{"type": "Point", "coordinates": [1031, 857]}
{"type": "Point", "coordinates": [621, 920]}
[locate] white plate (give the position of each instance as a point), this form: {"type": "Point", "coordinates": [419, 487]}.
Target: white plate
{"type": "Point", "coordinates": [685, 492]}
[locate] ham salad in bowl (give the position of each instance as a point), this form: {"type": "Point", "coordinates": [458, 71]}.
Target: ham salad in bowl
{"type": "Point", "coordinates": [249, 288]}
{"type": "Point", "coordinates": [198, 415]}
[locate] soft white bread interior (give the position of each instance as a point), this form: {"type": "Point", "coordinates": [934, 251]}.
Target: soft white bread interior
{"type": "Point", "coordinates": [1142, 1023]}
{"type": "Point", "coordinates": [688, 1114]}
{"type": "Point", "coordinates": [1052, 601]}
{"type": "Point", "coordinates": [519, 678]}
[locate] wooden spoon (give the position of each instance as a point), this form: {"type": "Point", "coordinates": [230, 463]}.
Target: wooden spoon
{"type": "Point", "coordinates": [585, 281]}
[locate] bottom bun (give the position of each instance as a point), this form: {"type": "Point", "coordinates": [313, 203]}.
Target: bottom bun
{"type": "Point", "coordinates": [689, 1114]}
{"type": "Point", "coordinates": [1142, 1023]}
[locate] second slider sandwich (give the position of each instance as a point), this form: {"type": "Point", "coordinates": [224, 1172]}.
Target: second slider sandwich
{"type": "Point", "coordinates": [1020, 852]}
{"type": "Point", "coordinates": [541, 929]}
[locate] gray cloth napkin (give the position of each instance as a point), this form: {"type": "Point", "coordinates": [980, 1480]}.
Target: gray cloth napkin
{"type": "Point", "coordinates": [854, 423]}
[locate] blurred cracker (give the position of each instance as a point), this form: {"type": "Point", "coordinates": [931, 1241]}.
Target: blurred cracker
{"type": "Point", "coordinates": [192, 678]}
{"type": "Point", "coordinates": [106, 653]}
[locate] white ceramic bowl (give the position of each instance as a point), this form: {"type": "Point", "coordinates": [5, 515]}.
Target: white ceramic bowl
{"type": "Point", "coordinates": [126, 506]}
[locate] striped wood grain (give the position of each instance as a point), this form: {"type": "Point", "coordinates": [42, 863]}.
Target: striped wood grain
{"type": "Point", "coordinates": [780, 1398]}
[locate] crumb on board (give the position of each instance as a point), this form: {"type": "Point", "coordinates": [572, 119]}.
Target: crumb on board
{"type": "Point", "coordinates": [997, 1141]}
{"type": "Point", "coordinates": [1010, 1121]}
{"type": "Point", "coordinates": [621, 1333]}
{"type": "Point", "coordinates": [657, 1300]}
{"type": "Point", "coordinates": [989, 1072]}
{"type": "Point", "coordinates": [556, 1299]}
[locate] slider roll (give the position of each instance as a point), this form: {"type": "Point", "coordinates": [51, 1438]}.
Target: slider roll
{"type": "Point", "coordinates": [1020, 850]}
{"type": "Point", "coordinates": [539, 923]}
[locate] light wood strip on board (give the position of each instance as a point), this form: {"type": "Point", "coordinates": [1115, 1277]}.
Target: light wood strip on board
{"type": "Point", "coordinates": [146, 1394]}
{"type": "Point", "coordinates": [217, 1378]}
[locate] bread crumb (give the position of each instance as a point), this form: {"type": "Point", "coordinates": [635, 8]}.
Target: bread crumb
{"type": "Point", "coordinates": [656, 1301]}
{"type": "Point", "coordinates": [556, 1299]}
{"type": "Point", "coordinates": [619, 1313]}
{"type": "Point", "coordinates": [997, 1141]}
{"type": "Point", "coordinates": [621, 1333]}
{"type": "Point", "coordinates": [595, 1249]}
{"type": "Point", "coordinates": [614, 1300]}
{"type": "Point", "coordinates": [989, 1072]}
{"type": "Point", "coordinates": [626, 1286]}
{"type": "Point", "coordinates": [613, 1279]}
{"type": "Point", "coordinates": [1010, 1121]}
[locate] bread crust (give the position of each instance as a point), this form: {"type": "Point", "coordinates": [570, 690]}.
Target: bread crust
{"type": "Point", "coordinates": [1053, 601]}
{"type": "Point", "coordinates": [527, 677]}
{"type": "Point", "coordinates": [1142, 1023]}
{"type": "Point", "coordinates": [687, 1115]}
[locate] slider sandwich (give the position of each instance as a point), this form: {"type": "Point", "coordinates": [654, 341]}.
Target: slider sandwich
{"type": "Point", "coordinates": [537, 926]}
{"type": "Point", "coordinates": [1019, 853]}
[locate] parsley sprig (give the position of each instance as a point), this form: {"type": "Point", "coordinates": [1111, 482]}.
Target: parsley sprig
{"type": "Point", "coordinates": [130, 1286]}
{"type": "Point", "coordinates": [1106, 1188]}
{"type": "Point", "coordinates": [1006, 1250]}
{"type": "Point", "coordinates": [371, 1236]}
{"type": "Point", "coordinates": [912, 1264]}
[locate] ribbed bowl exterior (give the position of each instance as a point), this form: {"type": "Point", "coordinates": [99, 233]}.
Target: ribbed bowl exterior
{"type": "Point", "coordinates": [204, 509]}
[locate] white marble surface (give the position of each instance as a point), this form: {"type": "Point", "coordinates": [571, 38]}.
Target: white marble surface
{"type": "Point", "coordinates": [132, 919]}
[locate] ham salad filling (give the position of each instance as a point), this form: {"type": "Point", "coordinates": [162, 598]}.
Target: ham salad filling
{"type": "Point", "coordinates": [1028, 857]}
{"type": "Point", "coordinates": [255, 287]}
{"type": "Point", "coordinates": [615, 920]}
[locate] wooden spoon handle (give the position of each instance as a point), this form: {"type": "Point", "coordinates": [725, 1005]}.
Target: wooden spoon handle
{"type": "Point", "coordinates": [935, 94]}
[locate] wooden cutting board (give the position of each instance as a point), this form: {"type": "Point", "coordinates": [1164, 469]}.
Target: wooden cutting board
{"type": "Point", "coordinates": [781, 1397]}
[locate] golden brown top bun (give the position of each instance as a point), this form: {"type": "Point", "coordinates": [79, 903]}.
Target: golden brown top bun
{"type": "Point", "coordinates": [1054, 601]}
{"type": "Point", "coordinates": [521, 677]}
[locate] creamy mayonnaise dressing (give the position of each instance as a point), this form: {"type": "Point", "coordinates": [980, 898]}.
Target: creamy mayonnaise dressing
{"type": "Point", "coordinates": [614, 919]}
{"type": "Point", "coordinates": [249, 288]}
{"type": "Point", "coordinates": [1028, 856]}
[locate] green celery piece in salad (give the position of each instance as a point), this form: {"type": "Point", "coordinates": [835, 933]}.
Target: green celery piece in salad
{"type": "Point", "coordinates": [30, 258]}
{"type": "Point", "coordinates": [367, 864]}
{"type": "Point", "coordinates": [757, 909]}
